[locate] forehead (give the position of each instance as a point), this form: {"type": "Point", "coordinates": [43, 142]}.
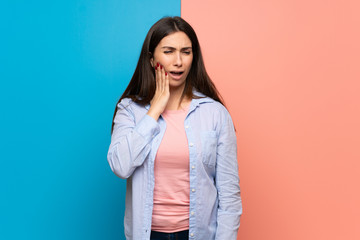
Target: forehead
{"type": "Point", "coordinates": [176, 40]}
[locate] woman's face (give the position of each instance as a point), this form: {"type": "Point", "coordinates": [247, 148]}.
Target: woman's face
{"type": "Point", "coordinates": [174, 53]}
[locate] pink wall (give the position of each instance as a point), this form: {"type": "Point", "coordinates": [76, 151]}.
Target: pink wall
{"type": "Point", "coordinates": [289, 72]}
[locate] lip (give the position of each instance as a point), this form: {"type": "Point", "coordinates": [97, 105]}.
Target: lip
{"type": "Point", "coordinates": [176, 76]}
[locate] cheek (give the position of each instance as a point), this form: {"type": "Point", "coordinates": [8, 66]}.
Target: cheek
{"type": "Point", "coordinates": [162, 60]}
{"type": "Point", "coordinates": [189, 64]}
{"type": "Point", "coordinates": [190, 60]}
{"type": "Point", "coordinates": [157, 57]}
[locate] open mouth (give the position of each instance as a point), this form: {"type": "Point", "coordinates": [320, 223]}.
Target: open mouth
{"type": "Point", "coordinates": [176, 73]}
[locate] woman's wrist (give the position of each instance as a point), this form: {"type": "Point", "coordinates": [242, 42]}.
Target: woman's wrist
{"type": "Point", "coordinates": [154, 114]}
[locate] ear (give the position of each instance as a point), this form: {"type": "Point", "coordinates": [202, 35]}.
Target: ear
{"type": "Point", "coordinates": [151, 59]}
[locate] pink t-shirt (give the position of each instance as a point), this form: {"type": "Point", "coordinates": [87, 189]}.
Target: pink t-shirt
{"type": "Point", "coordinates": [172, 186]}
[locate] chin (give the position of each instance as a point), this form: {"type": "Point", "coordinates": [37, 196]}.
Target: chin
{"type": "Point", "coordinates": [176, 84]}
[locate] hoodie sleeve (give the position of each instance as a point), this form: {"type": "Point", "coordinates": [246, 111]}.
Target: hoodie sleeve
{"type": "Point", "coordinates": [130, 141]}
{"type": "Point", "coordinates": [227, 181]}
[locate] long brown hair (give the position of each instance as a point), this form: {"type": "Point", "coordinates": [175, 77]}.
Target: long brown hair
{"type": "Point", "coordinates": [141, 88]}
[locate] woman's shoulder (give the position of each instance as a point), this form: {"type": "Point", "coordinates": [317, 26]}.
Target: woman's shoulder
{"type": "Point", "coordinates": [212, 105]}
{"type": "Point", "coordinates": [208, 102]}
{"type": "Point", "coordinates": [129, 104]}
{"type": "Point", "coordinates": [125, 102]}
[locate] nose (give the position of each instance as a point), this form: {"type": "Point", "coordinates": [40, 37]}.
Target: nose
{"type": "Point", "coordinates": [178, 59]}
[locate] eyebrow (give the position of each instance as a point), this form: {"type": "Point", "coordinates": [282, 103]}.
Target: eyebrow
{"type": "Point", "coordinates": [172, 48]}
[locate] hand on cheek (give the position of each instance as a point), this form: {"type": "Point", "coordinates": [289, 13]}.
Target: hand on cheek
{"type": "Point", "coordinates": [162, 92]}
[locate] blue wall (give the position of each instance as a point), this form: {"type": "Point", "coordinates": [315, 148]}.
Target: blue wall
{"type": "Point", "coordinates": [63, 66]}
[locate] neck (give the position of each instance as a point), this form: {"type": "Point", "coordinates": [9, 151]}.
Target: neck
{"type": "Point", "coordinates": [174, 100]}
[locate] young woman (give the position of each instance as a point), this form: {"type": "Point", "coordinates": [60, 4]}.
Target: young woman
{"type": "Point", "coordinates": [174, 142]}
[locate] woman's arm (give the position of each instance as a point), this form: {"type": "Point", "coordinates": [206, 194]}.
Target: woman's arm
{"type": "Point", "coordinates": [130, 142]}
{"type": "Point", "coordinates": [227, 182]}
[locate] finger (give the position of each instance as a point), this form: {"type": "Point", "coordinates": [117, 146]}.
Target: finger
{"type": "Point", "coordinates": [160, 82]}
{"type": "Point", "coordinates": [157, 77]}
{"type": "Point", "coordinates": [160, 79]}
{"type": "Point", "coordinates": [163, 77]}
{"type": "Point", "coordinates": [167, 80]}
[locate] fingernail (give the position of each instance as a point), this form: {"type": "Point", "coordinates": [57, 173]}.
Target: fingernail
{"type": "Point", "coordinates": [160, 66]}
{"type": "Point", "coordinates": [155, 68]}
{"type": "Point", "coordinates": [165, 73]}
{"type": "Point", "coordinates": [157, 64]}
